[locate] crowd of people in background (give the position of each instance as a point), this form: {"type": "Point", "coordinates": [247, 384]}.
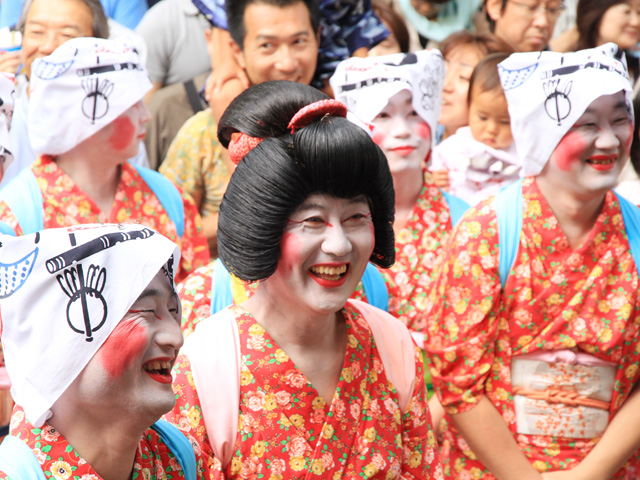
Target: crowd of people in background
{"type": "Point", "coordinates": [290, 239]}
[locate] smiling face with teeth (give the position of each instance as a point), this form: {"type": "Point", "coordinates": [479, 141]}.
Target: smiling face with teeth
{"type": "Point", "coordinates": [590, 157]}
{"type": "Point", "coordinates": [132, 369]}
{"type": "Point", "coordinates": [324, 251]}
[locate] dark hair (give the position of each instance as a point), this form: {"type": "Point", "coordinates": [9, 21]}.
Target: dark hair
{"type": "Point", "coordinates": [492, 22]}
{"type": "Point", "coordinates": [485, 76]}
{"type": "Point", "coordinates": [589, 15]}
{"type": "Point", "coordinates": [236, 8]}
{"type": "Point", "coordinates": [100, 24]}
{"type": "Point", "coordinates": [486, 43]}
{"type": "Point", "coordinates": [329, 156]}
{"type": "Point", "coordinates": [398, 28]}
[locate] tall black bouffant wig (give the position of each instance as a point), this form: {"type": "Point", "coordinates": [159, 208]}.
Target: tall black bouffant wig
{"type": "Point", "coordinates": [328, 156]}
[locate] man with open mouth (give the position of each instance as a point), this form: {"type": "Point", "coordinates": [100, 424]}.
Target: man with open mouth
{"type": "Point", "coordinates": [533, 318]}
{"type": "Point", "coordinates": [90, 331]}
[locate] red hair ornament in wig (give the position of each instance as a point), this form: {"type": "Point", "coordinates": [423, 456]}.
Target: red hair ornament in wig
{"type": "Point", "coordinates": [241, 143]}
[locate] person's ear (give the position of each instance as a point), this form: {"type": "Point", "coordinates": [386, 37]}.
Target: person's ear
{"type": "Point", "coordinates": [238, 54]}
{"type": "Point", "coordinates": [494, 9]}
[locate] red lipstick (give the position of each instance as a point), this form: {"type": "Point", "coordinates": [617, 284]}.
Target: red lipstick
{"type": "Point", "coordinates": [330, 275]}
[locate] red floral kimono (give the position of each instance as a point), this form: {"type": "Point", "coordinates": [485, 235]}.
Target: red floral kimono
{"type": "Point", "coordinates": [418, 247]}
{"type": "Point", "coordinates": [556, 298]}
{"type": "Point", "coordinates": [287, 431]}
{"type": "Point", "coordinates": [59, 460]}
{"type": "Point", "coordinates": [65, 204]}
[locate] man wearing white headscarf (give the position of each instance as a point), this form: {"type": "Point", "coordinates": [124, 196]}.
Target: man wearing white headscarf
{"type": "Point", "coordinates": [533, 326]}
{"type": "Point", "coordinates": [90, 330]}
{"type": "Point", "coordinates": [86, 118]}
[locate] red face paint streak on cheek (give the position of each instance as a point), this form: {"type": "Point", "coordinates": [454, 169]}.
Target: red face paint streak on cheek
{"type": "Point", "coordinates": [422, 130]}
{"type": "Point", "coordinates": [378, 138]}
{"type": "Point", "coordinates": [289, 251]}
{"type": "Point", "coordinates": [568, 151]}
{"type": "Point", "coordinates": [123, 133]}
{"type": "Point", "coordinates": [126, 343]}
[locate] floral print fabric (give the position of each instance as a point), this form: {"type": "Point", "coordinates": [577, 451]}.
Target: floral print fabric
{"type": "Point", "coordinates": [556, 298]}
{"type": "Point", "coordinates": [195, 163]}
{"type": "Point", "coordinates": [60, 461]}
{"type": "Point", "coordinates": [65, 204]}
{"type": "Point", "coordinates": [195, 294]}
{"type": "Point", "coordinates": [286, 430]}
{"type": "Point", "coordinates": [418, 247]}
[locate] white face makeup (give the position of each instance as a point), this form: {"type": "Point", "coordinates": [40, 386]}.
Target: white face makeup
{"type": "Point", "coordinates": [590, 157]}
{"type": "Point", "coordinates": [324, 252]}
{"type": "Point", "coordinates": [131, 372]}
{"type": "Point", "coordinates": [403, 136]}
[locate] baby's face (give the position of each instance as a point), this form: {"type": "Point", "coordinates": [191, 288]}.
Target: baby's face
{"type": "Point", "coordinates": [489, 118]}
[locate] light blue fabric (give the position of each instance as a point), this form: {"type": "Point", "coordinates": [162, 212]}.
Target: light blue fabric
{"type": "Point", "coordinates": [373, 284]}
{"type": "Point", "coordinates": [631, 218]}
{"type": "Point", "coordinates": [24, 197]}
{"type": "Point", "coordinates": [375, 288]}
{"type": "Point", "coordinates": [456, 15]}
{"type": "Point", "coordinates": [180, 447]}
{"type": "Point", "coordinates": [457, 207]}
{"type": "Point", "coordinates": [18, 461]}
{"type": "Point", "coordinates": [221, 296]}
{"type": "Point", "coordinates": [168, 195]}
{"type": "Point", "coordinates": [509, 213]}
{"type": "Point", "coordinates": [126, 12]}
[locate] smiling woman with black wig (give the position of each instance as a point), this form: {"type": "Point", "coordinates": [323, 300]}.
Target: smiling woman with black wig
{"type": "Point", "coordinates": [321, 383]}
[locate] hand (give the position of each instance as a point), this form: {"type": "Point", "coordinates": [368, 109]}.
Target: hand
{"type": "Point", "coordinates": [441, 179]}
{"type": "Point", "coordinates": [9, 61]}
{"type": "Point", "coordinates": [229, 71]}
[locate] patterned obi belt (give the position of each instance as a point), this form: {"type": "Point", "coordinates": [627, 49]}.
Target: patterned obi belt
{"type": "Point", "coordinates": [562, 393]}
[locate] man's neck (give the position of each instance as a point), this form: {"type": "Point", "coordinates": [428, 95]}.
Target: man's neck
{"type": "Point", "coordinates": [109, 445]}
{"type": "Point", "coordinates": [576, 214]}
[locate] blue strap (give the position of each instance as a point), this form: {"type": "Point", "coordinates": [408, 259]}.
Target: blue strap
{"type": "Point", "coordinates": [509, 213]}
{"type": "Point", "coordinates": [5, 229]}
{"type": "Point", "coordinates": [457, 207]}
{"type": "Point", "coordinates": [375, 288]}
{"type": "Point", "coordinates": [221, 295]}
{"type": "Point", "coordinates": [24, 198]}
{"type": "Point", "coordinates": [18, 461]}
{"type": "Point", "coordinates": [179, 445]}
{"type": "Point", "coordinates": [168, 195]}
{"type": "Point", "coordinates": [631, 218]}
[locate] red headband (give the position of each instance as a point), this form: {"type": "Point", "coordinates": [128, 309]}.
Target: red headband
{"type": "Point", "coordinates": [241, 143]}
{"type": "Point", "coordinates": [309, 113]}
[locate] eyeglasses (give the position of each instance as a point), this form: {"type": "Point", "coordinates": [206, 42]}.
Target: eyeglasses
{"type": "Point", "coordinates": [530, 9]}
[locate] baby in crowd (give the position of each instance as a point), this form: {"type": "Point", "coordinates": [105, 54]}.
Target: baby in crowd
{"type": "Point", "coordinates": [480, 158]}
